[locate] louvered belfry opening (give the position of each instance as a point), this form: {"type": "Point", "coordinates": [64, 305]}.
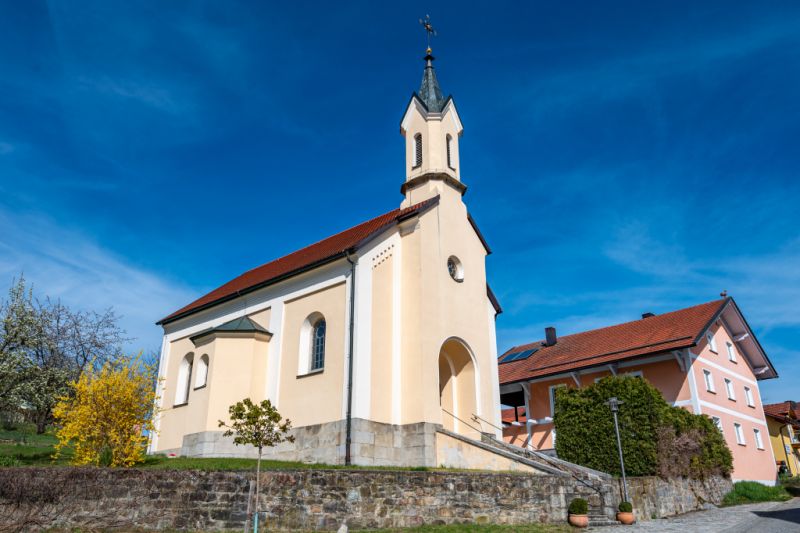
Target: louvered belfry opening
{"type": "Point", "coordinates": [417, 150]}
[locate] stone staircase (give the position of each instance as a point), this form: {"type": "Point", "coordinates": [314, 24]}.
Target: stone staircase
{"type": "Point", "coordinates": [598, 516]}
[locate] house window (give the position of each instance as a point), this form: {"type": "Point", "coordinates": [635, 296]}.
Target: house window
{"type": "Point", "coordinates": [729, 388]}
{"type": "Point", "coordinates": [553, 397]}
{"type": "Point", "coordinates": [449, 157]}
{"type": "Point", "coordinates": [731, 352]}
{"type": "Point", "coordinates": [759, 442]}
{"type": "Point", "coordinates": [201, 378]}
{"type": "Point", "coordinates": [717, 422]}
{"type": "Point", "coordinates": [417, 150]}
{"type": "Point", "coordinates": [712, 344]}
{"type": "Point", "coordinates": [184, 379]}
{"type": "Point", "coordinates": [737, 428]}
{"type": "Point", "coordinates": [709, 380]}
{"type": "Point", "coordinates": [748, 394]}
{"type": "Point", "coordinates": [318, 345]}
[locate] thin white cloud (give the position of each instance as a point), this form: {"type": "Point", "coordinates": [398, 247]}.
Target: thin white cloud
{"type": "Point", "coordinates": [154, 95]}
{"type": "Point", "coordinates": [66, 264]}
{"type": "Point", "coordinates": [645, 70]}
{"type": "Point", "coordinates": [767, 285]}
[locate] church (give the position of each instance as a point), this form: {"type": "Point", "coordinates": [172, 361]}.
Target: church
{"type": "Point", "coordinates": [378, 343]}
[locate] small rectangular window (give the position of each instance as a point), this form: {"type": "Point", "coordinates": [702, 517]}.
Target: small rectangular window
{"type": "Point", "coordinates": [759, 442]}
{"type": "Point", "coordinates": [709, 380]}
{"type": "Point", "coordinates": [739, 435]}
{"type": "Point", "coordinates": [717, 422]}
{"type": "Point", "coordinates": [729, 388]}
{"type": "Point", "coordinates": [731, 352]}
{"type": "Point", "coordinates": [712, 344]}
{"type": "Point", "coordinates": [748, 394]}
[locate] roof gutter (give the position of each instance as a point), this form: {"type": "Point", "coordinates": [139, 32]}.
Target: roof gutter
{"type": "Point", "coordinates": [349, 421]}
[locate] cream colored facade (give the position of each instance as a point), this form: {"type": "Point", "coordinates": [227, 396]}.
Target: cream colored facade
{"type": "Point", "coordinates": [423, 342]}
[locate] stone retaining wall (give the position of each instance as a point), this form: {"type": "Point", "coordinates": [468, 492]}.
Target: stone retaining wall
{"type": "Point", "coordinates": [36, 498]}
{"type": "Point", "coordinates": [653, 497]}
{"type": "Point", "coordinates": [373, 444]}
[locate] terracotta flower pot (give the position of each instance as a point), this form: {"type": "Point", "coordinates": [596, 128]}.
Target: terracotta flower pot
{"type": "Point", "coordinates": [579, 520]}
{"type": "Point", "coordinates": [626, 518]}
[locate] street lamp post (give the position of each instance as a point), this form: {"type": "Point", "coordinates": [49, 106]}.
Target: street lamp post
{"type": "Point", "coordinates": [614, 404]}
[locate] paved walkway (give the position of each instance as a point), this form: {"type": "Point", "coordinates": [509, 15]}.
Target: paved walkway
{"type": "Point", "coordinates": [757, 517]}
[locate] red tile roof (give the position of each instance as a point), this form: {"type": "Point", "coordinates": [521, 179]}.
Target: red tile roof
{"type": "Point", "coordinates": [782, 410]}
{"type": "Point", "coordinates": [659, 333]}
{"type": "Point", "coordinates": [314, 255]}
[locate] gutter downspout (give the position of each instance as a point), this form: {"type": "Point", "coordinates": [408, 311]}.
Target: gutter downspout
{"type": "Point", "coordinates": [349, 424]}
{"type": "Point", "coordinates": [785, 453]}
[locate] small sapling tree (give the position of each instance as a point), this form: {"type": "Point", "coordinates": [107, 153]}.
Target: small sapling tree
{"type": "Point", "coordinates": [259, 425]}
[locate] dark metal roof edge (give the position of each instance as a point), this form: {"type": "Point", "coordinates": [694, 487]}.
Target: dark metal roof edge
{"type": "Point", "coordinates": [713, 319]}
{"type": "Point", "coordinates": [493, 299]}
{"type": "Point", "coordinates": [480, 235]}
{"type": "Point", "coordinates": [752, 334]}
{"type": "Point", "coordinates": [211, 331]}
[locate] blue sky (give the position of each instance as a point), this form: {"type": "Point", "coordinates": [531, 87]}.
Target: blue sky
{"type": "Point", "coordinates": [620, 157]}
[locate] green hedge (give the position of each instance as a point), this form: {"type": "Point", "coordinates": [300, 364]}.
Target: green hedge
{"type": "Point", "coordinates": [656, 437]}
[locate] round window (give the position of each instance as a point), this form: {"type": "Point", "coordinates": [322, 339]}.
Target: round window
{"type": "Point", "coordinates": [455, 268]}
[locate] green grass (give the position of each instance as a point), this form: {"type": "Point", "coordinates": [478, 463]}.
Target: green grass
{"type": "Point", "coordinates": [752, 492]}
{"type": "Point", "coordinates": [23, 447]}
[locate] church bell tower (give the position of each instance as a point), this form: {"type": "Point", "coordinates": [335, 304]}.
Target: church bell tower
{"type": "Point", "coordinates": [431, 127]}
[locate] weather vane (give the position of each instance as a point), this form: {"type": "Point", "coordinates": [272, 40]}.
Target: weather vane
{"type": "Point", "coordinates": [426, 23]}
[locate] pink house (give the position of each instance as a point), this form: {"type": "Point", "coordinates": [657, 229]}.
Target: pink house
{"type": "Point", "coordinates": [704, 358]}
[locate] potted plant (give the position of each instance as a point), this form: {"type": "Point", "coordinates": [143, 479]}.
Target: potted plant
{"type": "Point", "coordinates": [625, 514]}
{"type": "Point", "coordinates": [578, 513]}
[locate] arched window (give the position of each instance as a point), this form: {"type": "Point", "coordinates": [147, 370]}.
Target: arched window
{"type": "Point", "coordinates": [318, 345]}
{"type": "Point", "coordinates": [449, 160]}
{"type": "Point", "coordinates": [201, 377]}
{"type": "Point", "coordinates": [184, 379]}
{"type": "Point", "coordinates": [417, 150]}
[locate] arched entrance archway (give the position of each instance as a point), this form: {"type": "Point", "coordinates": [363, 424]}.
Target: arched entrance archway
{"type": "Point", "coordinates": [457, 388]}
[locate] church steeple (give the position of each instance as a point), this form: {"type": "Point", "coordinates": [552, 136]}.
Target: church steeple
{"type": "Point", "coordinates": [429, 91]}
{"type": "Point", "coordinates": [431, 127]}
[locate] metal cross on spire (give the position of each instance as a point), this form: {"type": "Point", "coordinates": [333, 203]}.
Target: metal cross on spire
{"type": "Point", "coordinates": [426, 23]}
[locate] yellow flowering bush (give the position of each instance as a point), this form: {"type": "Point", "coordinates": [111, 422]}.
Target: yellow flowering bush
{"type": "Point", "coordinates": [108, 414]}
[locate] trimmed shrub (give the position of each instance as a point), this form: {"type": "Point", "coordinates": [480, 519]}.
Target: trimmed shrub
{"type": "Point", "coordinates": [656, 437]}
{"type": "Point", "coordinates": [752, 492]}
{"type": "Point", "coordinates": [626, 507]}
{"type": "Point", "coordinates": [578, 506]}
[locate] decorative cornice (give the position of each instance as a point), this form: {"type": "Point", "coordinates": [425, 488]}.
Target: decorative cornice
{"type": "Point", "coordinates": [434, 176]}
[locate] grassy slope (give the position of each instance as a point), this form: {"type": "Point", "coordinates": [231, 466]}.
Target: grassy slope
{"type": "Point", "coordinates": [23, 447]}
{"type": "Point", "coordinates": [752, 492]}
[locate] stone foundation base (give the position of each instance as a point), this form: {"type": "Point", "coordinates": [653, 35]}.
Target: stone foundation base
{"type": "Point", "coordinates": [372, 444]}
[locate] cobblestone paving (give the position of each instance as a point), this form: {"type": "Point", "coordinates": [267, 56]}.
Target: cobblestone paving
{"type": "Point", "coordinates": [758, 517]}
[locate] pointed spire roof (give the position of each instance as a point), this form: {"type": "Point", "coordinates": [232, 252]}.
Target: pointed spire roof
{"type": "Point", "coordinates": [429, 91]}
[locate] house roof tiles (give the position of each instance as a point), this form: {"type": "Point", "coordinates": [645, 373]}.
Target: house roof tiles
{"type": "Point", "coordinates": [659, 333]}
